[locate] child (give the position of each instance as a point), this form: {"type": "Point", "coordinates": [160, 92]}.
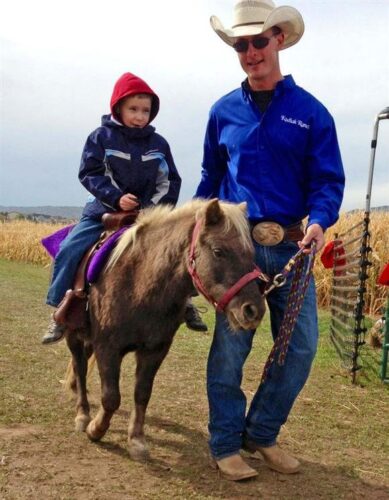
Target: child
{"type": "Point", "coordinates": [125, 165]}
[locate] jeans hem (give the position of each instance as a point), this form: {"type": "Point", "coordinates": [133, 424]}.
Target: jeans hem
{"type": "Point", "coordinates": [267, 444]}
{"type": "Point", "coordinates": [224, 455]}
{"type": "Point", "coordinates": [262, 444]}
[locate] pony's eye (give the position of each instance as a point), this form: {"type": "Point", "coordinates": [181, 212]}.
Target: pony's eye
{"type": "Point", "coordinates": [217, 252]}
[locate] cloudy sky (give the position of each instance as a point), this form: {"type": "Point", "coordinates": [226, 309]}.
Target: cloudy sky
{"type": "Point", "coordinates": [59, 61]}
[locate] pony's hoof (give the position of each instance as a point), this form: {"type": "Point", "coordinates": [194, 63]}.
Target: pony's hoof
{"type": "Point", "coordinates": [81, 423]}
{"type": "Point", "coordinates": [93, 433]}
{"type": "Point", "coordinates": [138, 450]}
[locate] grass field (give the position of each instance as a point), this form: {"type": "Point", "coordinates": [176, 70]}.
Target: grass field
{"type": "Point", "coordinates": [339, 431]}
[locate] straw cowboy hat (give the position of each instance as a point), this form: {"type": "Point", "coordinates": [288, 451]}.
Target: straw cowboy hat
{"type": "Point", "coordinates": [252, 17]}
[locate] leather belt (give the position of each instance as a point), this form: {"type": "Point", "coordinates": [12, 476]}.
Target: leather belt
{"type": "Point", "coordinates": [271, 233]}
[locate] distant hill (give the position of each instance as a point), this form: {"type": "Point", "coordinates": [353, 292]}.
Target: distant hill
{"type": "Point", "coordinates": [384, 208]}
{"type": "Point", "coordinates": [50, 211]}
{"type": "Point", "coordinates": [74, 213]}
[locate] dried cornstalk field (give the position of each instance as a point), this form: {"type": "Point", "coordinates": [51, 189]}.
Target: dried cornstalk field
{"type": "Point", "coordinates": [379, 242]}
{"type": "Point", "coordinates": [20, 241]}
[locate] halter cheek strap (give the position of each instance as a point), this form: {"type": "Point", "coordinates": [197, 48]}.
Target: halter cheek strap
{"type": "Point", "coordinates": [231, 292]}
{"type": "Point", "coordinates": [192, 265]}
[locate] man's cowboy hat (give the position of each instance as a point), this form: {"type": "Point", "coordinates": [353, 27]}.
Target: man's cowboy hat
{"type": "Point", "coordinates": [252, 17]}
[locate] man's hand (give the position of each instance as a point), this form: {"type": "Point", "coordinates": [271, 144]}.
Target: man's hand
{"type": "Point", "coordinates": [128, 202]}
{"type": "Point", "coordinates": [315, 234]}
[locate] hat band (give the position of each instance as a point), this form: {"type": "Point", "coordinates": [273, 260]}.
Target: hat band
{"type": "Point", "coordinates": [247, 24]}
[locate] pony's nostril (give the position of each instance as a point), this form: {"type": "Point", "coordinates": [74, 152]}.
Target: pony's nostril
{"type": "Point", "coordinates": [250, 312]}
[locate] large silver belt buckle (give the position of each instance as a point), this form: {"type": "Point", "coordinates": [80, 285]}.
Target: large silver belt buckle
{"type": "Point", "coordinates": [268, 233]}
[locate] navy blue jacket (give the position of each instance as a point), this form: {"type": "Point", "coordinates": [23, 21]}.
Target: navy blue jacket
{"type": "Point", "coordinates": [285, 163]}
{"type": "Point", "coordinates": [117, 160]}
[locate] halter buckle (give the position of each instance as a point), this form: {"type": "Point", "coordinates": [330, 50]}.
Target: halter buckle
{"type": "Point", "coordinates": [278, 281]}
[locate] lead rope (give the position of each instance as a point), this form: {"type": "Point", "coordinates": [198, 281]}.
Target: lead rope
{"type": "Point", "coordinates": [296, 296]}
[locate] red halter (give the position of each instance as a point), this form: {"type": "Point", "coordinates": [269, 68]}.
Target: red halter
{"type": "Point", "coordinates": [231, 292]}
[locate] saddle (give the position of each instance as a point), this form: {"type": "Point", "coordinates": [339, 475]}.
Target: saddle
{"type": "Point", "coordinates": [72, 311]}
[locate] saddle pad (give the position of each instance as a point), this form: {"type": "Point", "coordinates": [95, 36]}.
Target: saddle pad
{"type": "Point", "coordinates": [52, 242]}
{"type": "Point", "coordinates": [100, 257]}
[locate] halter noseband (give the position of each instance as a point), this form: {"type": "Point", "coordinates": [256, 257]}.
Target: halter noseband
{"type": "Point", "coordinates": [231, 292]}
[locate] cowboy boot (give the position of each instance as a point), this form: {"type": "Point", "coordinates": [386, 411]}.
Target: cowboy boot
{"type": "Point", "coordinates": [55, 333]}
{"type": "Point", "coordinates": [193, 320]}
{"type": "Point", "coordinates": [273, 456]}
{"type": "Point", "coordinates": [234, 468]}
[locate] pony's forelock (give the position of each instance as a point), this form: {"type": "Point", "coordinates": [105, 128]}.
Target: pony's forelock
{"type": "Point", "coordinates": [236, 217]}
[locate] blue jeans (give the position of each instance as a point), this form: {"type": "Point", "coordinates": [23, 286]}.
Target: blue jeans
{"type": "Point", "coordinates": [270, 407]}
{"type": "Point", "coordinates": [72, 249]}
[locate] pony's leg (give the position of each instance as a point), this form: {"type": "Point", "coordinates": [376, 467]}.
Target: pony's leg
{"type": "Point", "coordinates": [109, 369]}
{"type": "Point", "coordinates": [80, 368]}
{"type": "Point", "coordinates": [147, 364]}
{"type": "Point", "coordinates": [70, 377]}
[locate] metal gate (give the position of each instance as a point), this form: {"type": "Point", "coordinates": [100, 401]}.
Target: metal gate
{"type": "Point", "coordinates": [350, 272]}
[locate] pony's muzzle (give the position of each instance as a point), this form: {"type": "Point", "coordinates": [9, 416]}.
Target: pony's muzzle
{"type": "Point", "coordinates": [247, 316]}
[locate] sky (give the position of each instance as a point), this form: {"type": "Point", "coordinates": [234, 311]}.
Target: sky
{"type": "Point", "coordinates": [60, 60]}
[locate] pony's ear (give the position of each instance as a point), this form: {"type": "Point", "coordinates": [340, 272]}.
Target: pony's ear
{"type": "Point", "coordinates": [243, 207]}
{"type": "Point", "coordinates": [213, 212]}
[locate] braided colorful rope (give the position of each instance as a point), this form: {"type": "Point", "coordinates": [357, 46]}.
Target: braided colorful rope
{"type": "Point", "coordinates": [303, 265]}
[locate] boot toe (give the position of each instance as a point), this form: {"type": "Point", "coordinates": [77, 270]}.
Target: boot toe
{"type": "Point", "coordinates": [54, 334]}
{"type": "Point", "coordinates": [274, 457]}
{"type": "Point", "coordinates": [197, 326]}
{"type": "Point", "coordinates": [234, 468]}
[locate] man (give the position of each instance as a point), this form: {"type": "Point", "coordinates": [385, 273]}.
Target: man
{"type": "Point", "coordinates": [273, 145]}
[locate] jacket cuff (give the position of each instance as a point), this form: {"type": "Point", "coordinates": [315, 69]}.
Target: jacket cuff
{"type": "Point", "coordinates": [317, 220]}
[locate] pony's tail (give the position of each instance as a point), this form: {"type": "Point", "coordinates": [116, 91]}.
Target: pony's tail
{"type": "Point", "coordinates": [69, 382]}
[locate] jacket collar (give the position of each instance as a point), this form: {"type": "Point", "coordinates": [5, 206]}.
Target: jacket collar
{"type": "Point", "coordinates": [281, 86]}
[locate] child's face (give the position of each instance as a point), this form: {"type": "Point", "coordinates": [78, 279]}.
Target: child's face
{"type": "Point", "coordinates": [135, 110]}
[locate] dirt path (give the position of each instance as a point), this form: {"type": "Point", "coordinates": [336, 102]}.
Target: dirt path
{"type": "Point", "coordinates": [41, 463]}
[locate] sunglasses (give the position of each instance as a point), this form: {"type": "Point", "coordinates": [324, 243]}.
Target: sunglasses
{"type": "Point", "coordinates": [260, 42]}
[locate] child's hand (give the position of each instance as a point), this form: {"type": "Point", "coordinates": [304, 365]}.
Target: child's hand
{"type": "Point", "coordinates": [128, 202]}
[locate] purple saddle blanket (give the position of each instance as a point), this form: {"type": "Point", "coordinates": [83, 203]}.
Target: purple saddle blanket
{"type": "Point", "coordinates": [52, 244]}
{"type": "Point", "coordinates": [54, 240]}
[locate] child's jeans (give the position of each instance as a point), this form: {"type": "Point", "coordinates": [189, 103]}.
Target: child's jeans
{"type": "Point", "coordinates": [72, 249]}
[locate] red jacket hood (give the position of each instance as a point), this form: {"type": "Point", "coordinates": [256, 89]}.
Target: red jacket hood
{"type": "Point", "coordinates": [129, 84]}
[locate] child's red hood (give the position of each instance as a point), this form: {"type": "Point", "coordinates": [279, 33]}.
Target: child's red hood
{"type": "Point", "coordinates": [129, 84]}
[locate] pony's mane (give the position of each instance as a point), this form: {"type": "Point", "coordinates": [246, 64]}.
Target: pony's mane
{"type": "Point", "coordinates": [235, 216]}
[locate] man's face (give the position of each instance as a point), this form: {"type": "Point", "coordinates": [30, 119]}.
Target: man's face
{"type": "Point", "coordinates": [262, 65]}
{"type": "Point", "coordinates": [135, 110]}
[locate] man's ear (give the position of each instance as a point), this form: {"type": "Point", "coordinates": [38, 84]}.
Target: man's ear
{"type": "Point", "coordinates": [280, 40]}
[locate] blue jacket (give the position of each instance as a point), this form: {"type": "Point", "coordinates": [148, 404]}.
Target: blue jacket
{"type": "Point", "coordinates": [285, 163]}
{"type": "Point", "coordinates": [117, 160]}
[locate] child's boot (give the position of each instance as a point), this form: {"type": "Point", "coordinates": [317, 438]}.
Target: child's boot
{"type": "Point", "coordinates": [55, 333]}
{"type": "Point", "coordinates": [193, 320]}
